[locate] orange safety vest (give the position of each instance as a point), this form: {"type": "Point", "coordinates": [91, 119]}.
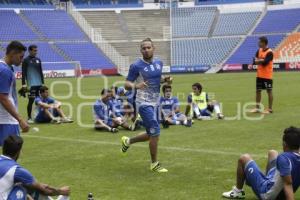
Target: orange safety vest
{"type": "Point", "coordinates": [265, 71]}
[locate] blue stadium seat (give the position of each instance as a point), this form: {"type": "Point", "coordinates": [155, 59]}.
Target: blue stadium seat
{"type": "Point", "coordinates": [55, 24]}
{"type": "Point", "coordinates": [279, 21]}
{"type": "Point", "coordinates": [14, 28]}
{"type": "Point", "coordinates": [194, 21]}
{"type": "Point", "coordinates": [245, 53]}
{"type": "Point", "coordinates": [235, 23]}
{"type": "Point", "coordinates": [88, 54]}
{"type": "Point", "coordinates": [202, 51]}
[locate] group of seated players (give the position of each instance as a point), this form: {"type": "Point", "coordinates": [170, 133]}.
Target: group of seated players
{"type": "Point", "coordinates": [116, 107]}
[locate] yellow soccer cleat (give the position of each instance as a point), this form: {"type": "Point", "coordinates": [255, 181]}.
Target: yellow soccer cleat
{"type": "Point", "coordinates": [125, 144]}
{"type": "Point", "coordinates": [156, 167]}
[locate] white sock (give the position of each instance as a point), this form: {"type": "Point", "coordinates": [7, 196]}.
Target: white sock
{"type": "Point", "coordinates": [236, 189]}
{"type": "Point", "coordinates": [177, 122]}
{"type": "Point", "coordinates": [127, 142]}
{"type": "Point", "coordinates": [196, 110]}
{"type": "Point", "coordinates": [217, 109]}
{"type": "Point", "coordinates": [185, 122]}
{"type": "Point", "coordinates": [63, 197]}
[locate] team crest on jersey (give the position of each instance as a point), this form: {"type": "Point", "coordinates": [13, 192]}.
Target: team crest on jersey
{"type": "Point", "coordinates": [20, 194]}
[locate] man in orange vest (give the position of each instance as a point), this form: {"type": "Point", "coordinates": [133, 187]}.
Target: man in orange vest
{"type": "Point", "coordinates": [264, 60]}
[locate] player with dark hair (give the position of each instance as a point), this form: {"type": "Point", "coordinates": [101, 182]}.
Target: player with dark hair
{"type": "Point", "coordinates": [282, 178]}
{"type": "Point", "coordinates": [264, 81]}
{"type": "Point", "coordinates": [10, 119]}
{"type": "Point", "coordinates": [200, 106]}
{"type": "Point", "coordinates": [48, 109]}
{"type": "Point", "coordinates": [32, 74]}
{"type": "Point", "coordinates": [170, 110]}
{"type": "Point", "coordinates": [16, 182]}
{"type": "Point", "coordinates": [145, 75]}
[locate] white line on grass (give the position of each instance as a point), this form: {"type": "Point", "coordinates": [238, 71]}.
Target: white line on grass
{"type": "Point", "coordinates": [182, 149]}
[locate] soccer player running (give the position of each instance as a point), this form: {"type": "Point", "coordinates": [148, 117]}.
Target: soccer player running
{"type": "Point", "coordinates": [32, 73]}
{"type": "Point", "coordinates": [145, 75]}
{"type": "Point", "coordinates": [282, 178]}
{"type": "Point", "coordinates": [16, 182]}
{"type": "Point", "coordinates": [264, 60]}
{"type": "Point", "coordinates": [10, 119]}
{"type": "Point", "coordinates": [170, 109]}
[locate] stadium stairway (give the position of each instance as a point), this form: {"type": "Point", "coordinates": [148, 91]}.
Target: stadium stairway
{"type": "Point", "coordinates": [32, 26]}
{"type": "Point", "coordinates": [289, 49]}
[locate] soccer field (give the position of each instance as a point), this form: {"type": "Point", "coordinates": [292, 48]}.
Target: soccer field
{"type": "Point", "coordinates": [201, 160]}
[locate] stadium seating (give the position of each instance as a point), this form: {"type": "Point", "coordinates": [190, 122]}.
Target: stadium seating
{"type": "Point", "coordinates": [26, 4]}
{"type": "Point", "coordinates": [279, 21]}
{"type": "Point", "coordinates": [14, 28]}
{"type": "Point", "coordinates": [87, 53]}
{"type": "Point", "coordinates": [107, 3]}
{"type": "Point", "coordinates": [245, 53]}
{"type": "Point", "coordinates": [202, 51]}
{"type": "Point", "coordinates": [210, 2]}
{"type": "Point", "coordinates": [194, 21]}
{"type": "Point", "coordinates": [235, 23]}
{"type": "Point", "coordinates": [56, 24]}
{"type": "Point", "coordinates": [289, 49]}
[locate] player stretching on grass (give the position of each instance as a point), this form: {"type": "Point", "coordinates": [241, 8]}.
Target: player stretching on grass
{"type": "Point", "coordinates": [145, 75]}
{"type": "Point", "coordinates": [282, 177]}
{"type": "Point", "coordinates": [264, 60]}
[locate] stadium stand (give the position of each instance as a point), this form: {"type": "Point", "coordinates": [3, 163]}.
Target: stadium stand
{"type": "Point", "coordinates": [211, 2]}
{"type": "Point", "coordinates": [279, 21]}
{"type": "Point", "coordinates": [55, 24]}
{"type": "Point", "coordinates": [107, 3]}
{"type": "Point", "coordinates": [245, 53]}
{"type": "Point", "coordinates": [235, 23]}
{"type": "Point", "coordinates": [289, 49]}
{"type": "Point", "coordinates": [87, 53]}
{"type": "Point", "coordinates": [15, 28]}
{"type": "Point", "coordinates": [202, 51]}
{"type": "Point", "coordinates": [43, 4]}
{"type": "Point", "coordinates": [191, 22]}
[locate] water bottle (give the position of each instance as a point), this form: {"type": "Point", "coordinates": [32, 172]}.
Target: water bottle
{"type": "Point", "coordinates": [90, 196]}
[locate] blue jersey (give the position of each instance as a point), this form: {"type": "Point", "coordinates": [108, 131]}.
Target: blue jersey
{"type": "Point", "coordinates": [101, 111]}
{"type": "Point", "coordinates": [169, 105]}
{"type": "Point", "coordinates": [7, 87]}
{"type": "Point", "coordinates": [38, 100]}
{"type": "Point", "coordinates": [287, 164]}
{"type": "Point", "coordinates": [10, 174]}
{"type": "Point", "coordinates": [142, 71]}
{"type": "Point", "coordinates": [115, 107]}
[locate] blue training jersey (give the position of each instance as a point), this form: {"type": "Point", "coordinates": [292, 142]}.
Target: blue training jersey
{"type": "Point", "coordinates": [101, 110]}
{"type": "Point", "coordinates": [151, 74]}
{"type": "Point", "coordinates": [37, 100]}
{"type": "Point", "coordinates": [168, 105]}
{"type": "Point", "coordinates": [8, 87]}
{"type": "Point", "coordinates": [287, 164]}
{"type": "Point", "coordinates": [10, 174]}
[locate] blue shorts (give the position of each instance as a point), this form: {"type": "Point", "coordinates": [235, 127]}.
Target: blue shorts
{"type": "Point", "coordinates": [43, 118]}
{"type": "Point", "coordinates": [259, 182]}
{"type": "Point", "coordinates": [7, 130]}
{"type": "Point", "coordinates": [149, 116]}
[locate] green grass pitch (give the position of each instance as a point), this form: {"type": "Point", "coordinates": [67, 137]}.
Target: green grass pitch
{"type": "Point", "coordinates": [201, 160]}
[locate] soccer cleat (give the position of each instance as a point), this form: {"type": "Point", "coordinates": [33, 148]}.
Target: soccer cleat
{"type": "Point", "coordinates": [125, 144]}
{"type": "Point", "coordinates": [156, 167]}
{"type": "Point", "coordinates": [255, 110]}
{"type": "Point", "coordinates": [30, 121]}
{"type": "Point", "coordinates": [189, 123]}
{"type": "Point", "coordinates": [267, 111]}
{"type": "Point", "coordinates": [66, 120]}
{"type": "Point", "coordinates": [114, 130]}
{"type": "Point", "coordinates": [234, 194]}
{"type": "Point", "coordinates": [165, 124]}
{"type": "Point", "coordinates": [220, 116]}
{"type": "Point", "coordinates": [55, 121]}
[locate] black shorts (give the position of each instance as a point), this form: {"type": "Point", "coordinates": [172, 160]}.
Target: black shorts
{"type": "Point", "coordinates": [264, 84]}
{"type": "Point", "coordinates": [34, 91]}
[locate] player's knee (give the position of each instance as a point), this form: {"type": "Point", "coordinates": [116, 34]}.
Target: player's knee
{"type": "Point", "coordinates": [245, 158]}
{"type": "Point", "coordinates": [272, 153]}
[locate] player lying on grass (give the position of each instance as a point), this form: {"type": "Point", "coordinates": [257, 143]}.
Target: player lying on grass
{"type": "Point", "coordinates": [106, 118]}
{"type": "Point", "coordinates": [282, 178]}
{"type": "Point", "coordinates": [18, 183]}
{"type": "Point", "coordinates": [170, 111]}
{"type": "Point", "coordinates": [48, 109]}
{"type": "Point", "coordinates": [199, 105]}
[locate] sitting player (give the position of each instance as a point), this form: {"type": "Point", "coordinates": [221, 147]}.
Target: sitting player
{"type": "Point", "coordinates": [170, 111]}
{"type": "Point", "coordinates": [282, 178]}
{"type": "Point", "coordinates": [48, 109]}
{"type": "Point", "coordinates": [17, 182]}
{"type": "Point", "coordinates": [199, 105]}
{"type": "Point", "coordinates": [105, 117]}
